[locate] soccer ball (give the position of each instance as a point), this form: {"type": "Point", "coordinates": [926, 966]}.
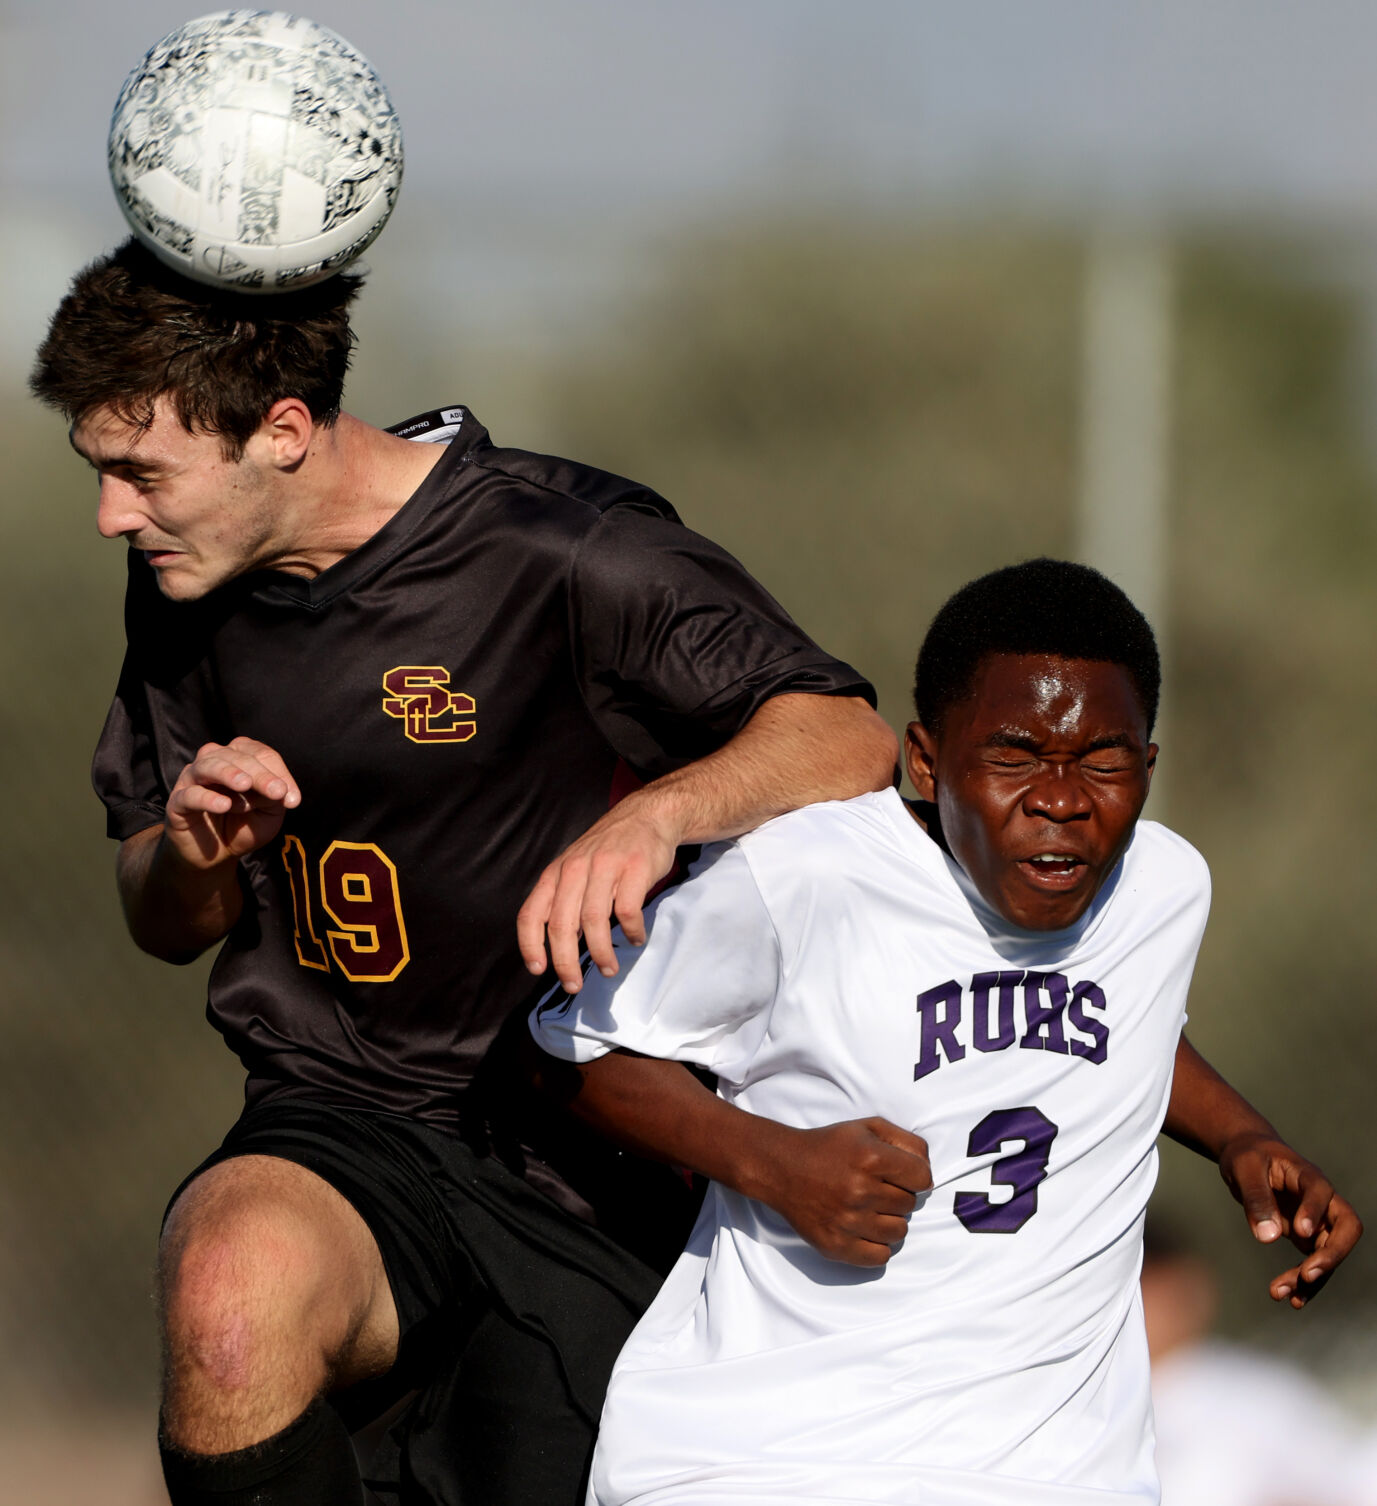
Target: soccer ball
{"type": "Point", "coordinates": [255, 151]}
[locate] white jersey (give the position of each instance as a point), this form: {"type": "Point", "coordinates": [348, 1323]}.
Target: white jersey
{"type": "Point", "coordinates": [836, 964]}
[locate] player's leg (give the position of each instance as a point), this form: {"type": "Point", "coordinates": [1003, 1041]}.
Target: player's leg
{"type": "Point", "coordinates": [501, 1428]}
{"type": "Point", "coordinates": [511, 1419]}
{"type": "Point", "coordinates": [272, 1292]}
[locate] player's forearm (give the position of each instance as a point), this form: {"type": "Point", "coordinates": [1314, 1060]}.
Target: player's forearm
{"type": "Point", "coordinates": [795, 750]}
{"type": "Point", "coordinates": [174, 910]}
{"type": "Point", "coordinates": [1204, 1112]}
{"type": "Point", "coordinates": [660, 1110]}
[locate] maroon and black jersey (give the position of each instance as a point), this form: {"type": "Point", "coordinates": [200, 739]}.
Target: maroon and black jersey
{"type": "Point", "coordinates": [458, 699]}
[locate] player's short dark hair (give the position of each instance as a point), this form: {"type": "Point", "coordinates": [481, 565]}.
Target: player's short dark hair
{"type": "Point", "coordinates": [1042, 606]}
{"type": "Point", "coordinates": [131, 330]}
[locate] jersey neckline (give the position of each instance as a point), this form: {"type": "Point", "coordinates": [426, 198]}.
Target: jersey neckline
{"type": "Point", "coordinates": [376, 551]}
{"type": "Point", "coordinates": [1003, 934]}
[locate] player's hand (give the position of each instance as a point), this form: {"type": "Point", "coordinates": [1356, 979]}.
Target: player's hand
{"type": "Point", "coordinates": [1284, 1194]}
{"type": "Point", "coordinates": [227, 802]}
{"type": "Point", "coordinates": [848, 1188]}
{"type": "Point", "coordinates": [607, 872]}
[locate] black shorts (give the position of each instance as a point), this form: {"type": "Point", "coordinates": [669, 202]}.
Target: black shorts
{"type": "Point", "coordinates": [511, 1310]}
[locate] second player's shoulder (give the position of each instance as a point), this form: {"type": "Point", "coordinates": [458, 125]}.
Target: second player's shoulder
{"type": "Point", "coordinates": [835, 838]}
{"type": "Point", "coordinates": [1160, 849]}
{"type": "Point", "coordinates": [1163, 869]}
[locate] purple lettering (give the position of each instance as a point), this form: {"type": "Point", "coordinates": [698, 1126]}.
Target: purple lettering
{"type": "Point", "coordinates": [1089, 996]}
{"type": "Point", "coordinates": [982, 985]}
{"type": "Point", "coordinates": [1044, 1031]}
{"type": "Point", "coordinates": [939, 1028]}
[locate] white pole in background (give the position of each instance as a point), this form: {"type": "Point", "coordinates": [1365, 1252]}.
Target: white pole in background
{"type": "Point", "coordinates": [1121, 521]}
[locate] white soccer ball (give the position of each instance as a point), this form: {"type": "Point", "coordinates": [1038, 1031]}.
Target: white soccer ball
{"type": "Point", "coordinates": [255, 151]}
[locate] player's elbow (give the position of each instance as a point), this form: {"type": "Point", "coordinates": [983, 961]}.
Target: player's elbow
{"type": "Point", "coordinates": [178, 950]}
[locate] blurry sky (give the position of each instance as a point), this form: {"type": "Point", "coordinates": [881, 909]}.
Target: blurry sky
{"type": "Point", "coordinates": [546, 138]}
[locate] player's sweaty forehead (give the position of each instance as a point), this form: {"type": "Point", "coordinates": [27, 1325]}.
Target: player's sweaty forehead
{"type": "Point", "coordinates": [1023, 701]}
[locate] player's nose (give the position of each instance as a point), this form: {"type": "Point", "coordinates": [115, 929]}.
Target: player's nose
{"type": "Point", "coordinates": [118, 512]}
{"type": "Point", "coordinates": [1058, 794]}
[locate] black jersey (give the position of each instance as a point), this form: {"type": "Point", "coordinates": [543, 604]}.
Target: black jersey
{"type": "Point", "coordinates": [458, 699]}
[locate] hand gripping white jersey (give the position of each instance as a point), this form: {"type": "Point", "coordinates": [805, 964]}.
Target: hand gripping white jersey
{"type": "Point", "coordinates": [837, 964]}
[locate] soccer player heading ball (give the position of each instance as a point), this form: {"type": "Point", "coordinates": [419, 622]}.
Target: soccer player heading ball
{"type": "Point", "coordinates": [375, 691]}
{"type": "Point", "coordinates": [1001, 970]}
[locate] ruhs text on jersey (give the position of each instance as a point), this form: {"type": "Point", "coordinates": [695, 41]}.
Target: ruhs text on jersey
{"type": "Point", "coordinates": [994, 1011]}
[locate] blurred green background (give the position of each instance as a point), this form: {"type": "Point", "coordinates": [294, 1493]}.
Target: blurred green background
{"type": "Point", "coordinates": [869, 405]}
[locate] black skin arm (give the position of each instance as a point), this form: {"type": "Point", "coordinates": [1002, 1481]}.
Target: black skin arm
{"type": "Point", "coordinates": [1281, 1192]}
{"type": "Point", "coordinates": [846, 1188]}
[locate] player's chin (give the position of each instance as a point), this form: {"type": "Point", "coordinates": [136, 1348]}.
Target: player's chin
{"type": "Point", "coordinates": [1038, 905]}
{"type": "Point", "coordinates": [180, 582]}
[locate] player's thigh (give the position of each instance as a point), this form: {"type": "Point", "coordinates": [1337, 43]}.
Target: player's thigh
{"type": "Point", "coordinates": [268, 1248]}
{"type": "Point", "coordinates": [502, 1429]}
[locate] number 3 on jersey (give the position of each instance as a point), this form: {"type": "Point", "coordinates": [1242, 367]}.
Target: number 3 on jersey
{"type": "Point", "coordinates": [1022, 1170]}
{"type": "Point", "coordinates": [358, 892]}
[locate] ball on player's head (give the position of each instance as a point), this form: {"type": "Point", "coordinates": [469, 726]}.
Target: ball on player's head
{"type": "Point", "coordinates": [255, 151]}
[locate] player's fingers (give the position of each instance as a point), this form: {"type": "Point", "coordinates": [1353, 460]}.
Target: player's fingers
{"type": "Point", "coordinates": [531, 918]}
{"type": "Point", "coordinates": [628, 905]}
{"type": "Point", "coordinates": [1316, 1193]}
{"type": "Point", "coordinates": [1284, 1287]}
{"type": "Point", "coordinates": [562, 927]}
{"type": "Point", "coordinates": [889, 1200]}
{"type": "Point", "coordinates": [1342, 1229]}
{"type": "Point", "coordinates": [861, 1252]}
{"type": "Point", "coordinates": [274, 763]}
{"type": "Point", "coordinates": [910, 1173]}
{"type": "Point", "coordinates": [595, 911]}
{"type": "Point", "coordinates": [238, 770]}
{"type": "Point", "coordinates": [886, 1229]}
{"type": "Point", "coordinates": [1253, 1189]}
{"type": "Point", "coordinates": [189, 799]}
{"type": "Point", "coordinates": [902, 1139]}
{"type": "Point", "coordinates": [904, 1157]}
{"type": "Point", "coordinates": [1301, 1283]}
{"type": "Point", "coordinates": [606, 872]}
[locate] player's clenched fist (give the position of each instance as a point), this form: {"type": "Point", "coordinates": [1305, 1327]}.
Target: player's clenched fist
{"type": "Point", "coordinates": [848, 1188]}
{"type": "Point", "coordinates": [228, 801]}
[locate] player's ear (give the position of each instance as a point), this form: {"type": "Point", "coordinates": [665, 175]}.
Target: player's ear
{"type": "Point", "coordinates": [286, 429]}
{"type": "Point", "coordinates": [920, 758]}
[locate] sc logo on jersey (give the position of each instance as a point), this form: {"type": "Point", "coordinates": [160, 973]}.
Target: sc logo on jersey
{"type": "Point", "coordinates": [430, 712]}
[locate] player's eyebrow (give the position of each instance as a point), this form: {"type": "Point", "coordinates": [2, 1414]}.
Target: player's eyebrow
{"type": "Point", "coordinates": [1026, 742]}
{"type": "Point", "coordinates": [129, 459]}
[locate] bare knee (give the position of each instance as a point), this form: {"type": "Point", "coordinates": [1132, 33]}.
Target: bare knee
{"type": "Point", "coordinates": [271, 1291]}
{"type": "Point", "coordinates": [235, 1291]}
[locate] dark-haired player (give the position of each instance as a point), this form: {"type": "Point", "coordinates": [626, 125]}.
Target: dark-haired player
{"type": "Point", "coordinates": [1001, 970]}
{"type": "Point", "coordinates": [376, 690]}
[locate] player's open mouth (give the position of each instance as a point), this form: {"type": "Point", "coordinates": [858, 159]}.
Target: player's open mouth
{"type": "Point", "coordinates": [1053, 869]}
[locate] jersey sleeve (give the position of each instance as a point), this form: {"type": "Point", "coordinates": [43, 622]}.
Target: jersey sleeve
{"type": "Point", "coordinates": [161, 711]}
{"type": "Point", "coordinates": [700, 990]}
{"type": "Point", "coordinates": [676, 646]}
{"type": "Point", "coordinates": [125, 770]}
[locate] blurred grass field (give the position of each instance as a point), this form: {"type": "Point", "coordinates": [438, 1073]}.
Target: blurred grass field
{"type": "Point", "coordinates": [868, 416]}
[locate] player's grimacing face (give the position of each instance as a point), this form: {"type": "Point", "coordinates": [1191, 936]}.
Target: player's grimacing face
{"type": "Point", "coordinates": [1038, 776]}
{"type": "Point", "coordinates": [200, 519]}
